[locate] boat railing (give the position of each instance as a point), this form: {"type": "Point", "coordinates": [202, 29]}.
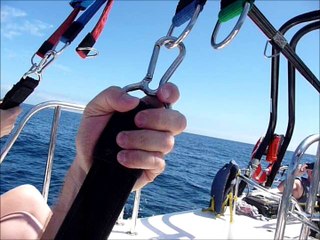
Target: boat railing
{"type": "Point", "coordinates": [57, 106]}
{"type": "Point", "coordinates": [288, 205]}
{"type": "Point", "coordinates": [314, 185]}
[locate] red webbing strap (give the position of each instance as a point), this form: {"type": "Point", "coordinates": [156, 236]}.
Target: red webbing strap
{"type": "Point", "coordinates": [90, 39]}
{"type": "Point", "coordinates": [273, 148]}
{"type": "Point", "coordinates": [53, 40]}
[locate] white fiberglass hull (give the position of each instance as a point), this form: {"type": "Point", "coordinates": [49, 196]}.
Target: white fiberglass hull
{"type": "Point", "coordinates": [202, 225]}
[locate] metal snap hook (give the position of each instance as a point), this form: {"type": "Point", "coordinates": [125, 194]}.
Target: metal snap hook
{"type": "Point", "coordinates": [234, 31]}
{"type": "Point", "coordinates": [144, 84]}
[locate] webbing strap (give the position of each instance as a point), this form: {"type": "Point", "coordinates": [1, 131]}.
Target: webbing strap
{"type": "Point", "coordinates": [87, 43]}
{"type": "Point", "coordinates": [76, 27]}
{"type": "Point", "coordinates": [185, 10]}
{"type": "Point", "coordinates": [53, 40]}
{"type": "Point", "coordinates": [82, 4]}
{"type": "Point", "coordinates": [19, 92]}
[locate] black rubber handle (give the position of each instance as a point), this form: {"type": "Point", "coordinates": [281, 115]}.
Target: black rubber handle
{"type": "Point", "coordinates": [106, 187]}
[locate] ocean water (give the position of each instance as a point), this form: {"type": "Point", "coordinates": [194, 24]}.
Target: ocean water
{"type": "Point", "coordinates": [184, 185]}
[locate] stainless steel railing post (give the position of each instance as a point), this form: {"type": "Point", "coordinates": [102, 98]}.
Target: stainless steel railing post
{"type": "Point", "coordinates": [52, 145]}
{"type": "Point", "coordinates": [135, 211]}
{"type": "Point", "coordinates": [314, 185]}
{"type": "Point", "coordinates": [58, 105]}
{"type": "Point", "coordinates": [284, 204]}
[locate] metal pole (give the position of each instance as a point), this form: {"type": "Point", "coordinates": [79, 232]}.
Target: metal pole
{"type": "Point", "coordinates": [284, 205]}
{"type": "Point", "coordinates": [312, 194]}
{"type": "Point", "coordinates": [53, 139]}
{"type": "Point", "coordinates": [135, 211]}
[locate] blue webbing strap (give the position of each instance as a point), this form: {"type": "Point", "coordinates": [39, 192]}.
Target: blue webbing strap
{"type": "Point", "coordinates": [52, 41]}
{"type": "Point", "coordinates": [79, 24]}
{"type": "Point", "coordinates": [83, 4]}
{"type": "Point", "coordinates": [185, 11]}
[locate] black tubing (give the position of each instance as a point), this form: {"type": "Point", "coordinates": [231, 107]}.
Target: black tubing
{"type": "Point", "coordinates": [291, 100]}
{"type": "Point", "coordinates": [306, 17]}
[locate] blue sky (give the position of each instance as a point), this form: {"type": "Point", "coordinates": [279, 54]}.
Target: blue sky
{"type": "Point", "coordinates": [224, 93]}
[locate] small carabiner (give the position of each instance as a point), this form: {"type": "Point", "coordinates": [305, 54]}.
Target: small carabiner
{"type": "Point", "coordinates": [187, 29]}
{"type": "Point", "coordinates": [37, 68]}
{"type": "Point", "coordinates": [144, 84]}
{"type": "Point", "coordinates": [234, 31]}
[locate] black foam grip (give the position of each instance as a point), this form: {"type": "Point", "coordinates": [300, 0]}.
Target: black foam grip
{"type": "Point", "coordinates": [106, 187]}
{"type": "Point", "coordinates": [19, 92]}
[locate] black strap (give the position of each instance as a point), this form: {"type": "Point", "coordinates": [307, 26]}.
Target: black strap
{"type": "Point", "coordinates": [291, 100]}
{"type": "Point", "coordinates": [19, 92]}
{"type": "Point", "coordinates": [226, 3]}
{"type": "Point", "coordinates": [183, 3]}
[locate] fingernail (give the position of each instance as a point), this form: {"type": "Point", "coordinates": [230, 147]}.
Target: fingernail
{"type": "Point", "coordinates": [121, 157]}
{"type": "Point", "coordinates": [122, 139]}
{"type": "Point", "coordinates": [141, 119]}
{"type": "Point", "coordinates": [165, 92]}
{"type": "Point", "coordinates": [126, 98]}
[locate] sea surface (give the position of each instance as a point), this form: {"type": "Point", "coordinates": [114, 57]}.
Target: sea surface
{"type": "Point", "coordinates": [184, 185]}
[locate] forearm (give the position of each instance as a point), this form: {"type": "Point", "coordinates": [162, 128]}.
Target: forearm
{"type": "Point", "coordinates": [281, 186]}
{"type": "Point", "coordinates": [73, 181]}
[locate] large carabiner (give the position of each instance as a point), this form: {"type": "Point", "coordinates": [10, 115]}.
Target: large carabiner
{"type": "Point", "coordinates": [144, 84]}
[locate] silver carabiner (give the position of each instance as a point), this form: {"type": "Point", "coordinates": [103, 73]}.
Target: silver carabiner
{"type": "Point", "coordinates": [234, 31]}
{"type": "Point", "coordinates": [144, 84]}
{"type": "Point", "coordinates": [37, 68]}
{"type": "Point", "coordinates": [187, 29]}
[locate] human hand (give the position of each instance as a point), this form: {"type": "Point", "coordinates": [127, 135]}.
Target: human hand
{"type": "Point", "coordinates": [301, 169]}
{"type": "Point", "coordinates": [142, 149]}
{"type": "Point", "coordinates": [7, 120]}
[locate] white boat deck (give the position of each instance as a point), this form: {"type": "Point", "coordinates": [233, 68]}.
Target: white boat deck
{"type": "Point", "coordinates": [202, 225]}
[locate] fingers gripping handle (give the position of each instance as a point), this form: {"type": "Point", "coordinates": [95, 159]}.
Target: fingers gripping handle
{"type": "Point", "coordinates": [106, 187]}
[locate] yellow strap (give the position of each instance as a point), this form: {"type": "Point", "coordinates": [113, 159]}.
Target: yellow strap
{"type": "Point", "coordinates": [211, 208]}
{"type": "Point", "coordinates": [231, 206]}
